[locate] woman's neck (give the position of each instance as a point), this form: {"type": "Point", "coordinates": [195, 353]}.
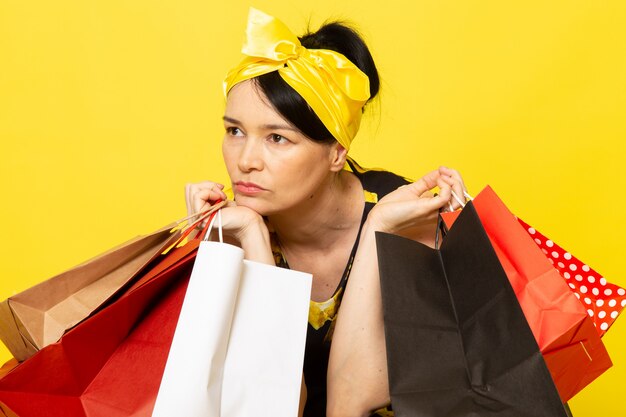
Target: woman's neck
{"type": "Point", "coordinates": [335, 208]}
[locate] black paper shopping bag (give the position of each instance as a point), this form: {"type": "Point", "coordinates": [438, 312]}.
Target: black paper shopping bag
{"type": "Point", "coordinates": [457, 340]}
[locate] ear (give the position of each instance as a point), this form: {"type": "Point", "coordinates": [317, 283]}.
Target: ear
{"type": "Point", "coordinates": [338, 155]}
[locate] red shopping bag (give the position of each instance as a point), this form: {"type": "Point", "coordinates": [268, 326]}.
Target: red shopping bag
{"type": "Point", "coordinates": [111, 364]}
{"type": "Point", "coordinates": [565, 333]}
{"type": "Point", "coordinates": [604, 301]}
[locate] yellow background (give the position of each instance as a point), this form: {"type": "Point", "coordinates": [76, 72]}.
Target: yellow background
{"type": "Point", "coordinates": [107, 108]}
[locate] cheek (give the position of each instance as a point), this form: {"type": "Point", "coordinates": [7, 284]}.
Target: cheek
{"type": "Point", "coordinates": [299, 178]}
{"type": "Point", "coordinates": [229, 155]}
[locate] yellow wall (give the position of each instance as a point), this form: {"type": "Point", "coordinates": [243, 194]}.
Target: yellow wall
{"type": "Point", "coordinates": [107, 108]}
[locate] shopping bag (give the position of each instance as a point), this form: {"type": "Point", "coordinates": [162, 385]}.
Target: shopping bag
{"type": "Point", "coordinates": [8, 366]}
{"type": "Point", "coordinates": [238, 349]}
{"type": "Point", "coordinates": [263, 366]}
{"type": "Point", "coordinates": [457, 341]}
{"type": "Point", "coordinates": [40, 315]}
{"type": "Point", "coordinates": [603, 300]}
{"type": "Point", "coordinates": [565, 333]}
{"type": "Point", "coordinates": [113, 363]}
{"type": "Point", "coordinates": [110, 364]}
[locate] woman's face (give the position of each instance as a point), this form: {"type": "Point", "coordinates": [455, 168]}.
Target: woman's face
{"type": "Point", "coordinates": [273, 167]}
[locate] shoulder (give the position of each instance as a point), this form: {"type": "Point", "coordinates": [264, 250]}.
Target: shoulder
{"type": "Point", "coordinates": [375, 180]}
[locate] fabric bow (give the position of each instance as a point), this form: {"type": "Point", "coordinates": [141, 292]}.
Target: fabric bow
{"type": "Point", "coordinates": [333, 87]}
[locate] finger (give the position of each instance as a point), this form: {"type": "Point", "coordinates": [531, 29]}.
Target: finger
{"type": "Point", "coordinates": [207, 185]}
{"type": "Point", "coordinates": [457, 198]}
{"type": "Point", "coordinates": [219, 189]}
{"type": "Point", "coordinates": [455, 175]}
{"type": "Point", "coordinates": [460, 201]}
{"type": "Point", "coordinates": [205, 207]}
{"type": "Point", "coordinates": [444, 170]}
{"type": "Point", "coordinates": [207, 192]}
{"type": "Point", "coordinates": [426, 210]}
{"type": "Point", "coordinates": [218, 194]}
{"type": "Point", "coordinates": [424, 184]}
{"type": "Point", "coordinates": [455, 180]}
{"type": "Point", "coordinates": [200, 200]}
{"type": "Point", "coordinates": [207, 195]}
{"type": "Point", "coordinates": [433, 203]}
{"type": "Point", "coordinates": [430, 202]}
{"type": "Point", "coordinates": [188, 199]}
{"type": "Point", "coordinates": [445, 191]}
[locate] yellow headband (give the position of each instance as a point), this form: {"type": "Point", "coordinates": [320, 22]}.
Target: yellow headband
{"type": "Point", "coordinates": [333, 87]}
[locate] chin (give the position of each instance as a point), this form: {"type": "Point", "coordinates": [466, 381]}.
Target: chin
{"type": "Point", "coordinates": [255, 204]}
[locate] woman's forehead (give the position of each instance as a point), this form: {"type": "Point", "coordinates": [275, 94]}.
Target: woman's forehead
{"type": "Point", "coordinates": [247, 103]}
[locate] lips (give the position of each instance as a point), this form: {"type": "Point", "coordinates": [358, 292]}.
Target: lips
{"type": "Point", "coordinates": [248, 188]}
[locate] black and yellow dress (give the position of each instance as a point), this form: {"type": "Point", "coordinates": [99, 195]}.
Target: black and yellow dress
{"type": "Point", "coordinates": [376, 184]}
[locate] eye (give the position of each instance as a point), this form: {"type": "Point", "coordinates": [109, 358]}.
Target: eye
{"type": "Point", "coordinates": [234, 131]}
{"type": "Point", "coordinates": [278, 139]}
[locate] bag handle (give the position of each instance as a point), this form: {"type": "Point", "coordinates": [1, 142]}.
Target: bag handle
{"type": "Point", "coordinates": [186, 230]}
{"type": "Point", "coordinates": [207, 232]}
{"type": "Point", "coordinates": [458, 200]}
{"type": "Point", "coordinates": [441, 226]}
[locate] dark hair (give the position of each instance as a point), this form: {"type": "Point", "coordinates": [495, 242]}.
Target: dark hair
{"type": "Point", "coordinates": [335, 36]}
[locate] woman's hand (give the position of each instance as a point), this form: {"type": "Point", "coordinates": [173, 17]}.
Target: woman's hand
{"type": "Point", "coordinates": [412, 209]}
{"type": "Point", "coordinates": [202, 195]}
{"type": "Point", "coordinates": [243, 224]}
{"type": "Point", "coordinates": [236, 221]}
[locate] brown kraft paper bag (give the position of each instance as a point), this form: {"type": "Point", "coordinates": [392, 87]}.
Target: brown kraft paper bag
{"type": "Point", "coordinates": [40, 315]}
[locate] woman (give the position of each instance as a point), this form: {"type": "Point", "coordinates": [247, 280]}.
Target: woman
{"type": "Point", "coordinates": [293, 107]}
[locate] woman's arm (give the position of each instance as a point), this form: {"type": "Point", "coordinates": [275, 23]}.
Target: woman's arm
{"type": "Point", "coordinates": [357, 372]}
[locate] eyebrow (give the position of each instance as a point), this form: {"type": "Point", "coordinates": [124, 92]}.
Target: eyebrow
{"type": "Point", "coordinates": [266, 126]}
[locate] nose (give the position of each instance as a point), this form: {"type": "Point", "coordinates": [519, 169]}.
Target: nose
{"type": "Point", "coordinates": [251, 158]}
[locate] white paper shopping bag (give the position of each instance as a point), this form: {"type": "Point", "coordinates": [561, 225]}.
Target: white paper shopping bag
{"type": "Point", "coordinates": [192, 379]}
{"type": "Point", "coordinates": [263, 369]}
{"type": "Point", "coordinates": [238, 349]}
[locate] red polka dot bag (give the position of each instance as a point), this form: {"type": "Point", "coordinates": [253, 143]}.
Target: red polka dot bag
{"type": "Point", "coordinates": [604, 301]}
{"type": "Point", "coordinates": [565, 319]}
